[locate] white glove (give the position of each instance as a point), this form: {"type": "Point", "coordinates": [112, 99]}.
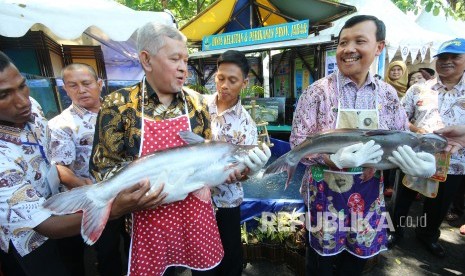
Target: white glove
{"type": "Point", "coordinates": [356, 155]}
{"type": "Point", "coordinates": [419, 164]}
{"type": "Point", "coordinates": [257, 159]}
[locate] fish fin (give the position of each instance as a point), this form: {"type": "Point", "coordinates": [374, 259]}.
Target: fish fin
{"type": "Point", "coordinates": [68, 202]}
{"type": "Point", "coordinates": [290, 174]}
{"type": "Point", "coordinates": [94, 217]}
{"type": "Point", "coordinates": [190, 137]}
{"type": "Point", "coordinates": [203, 194]}
{"type": "Point", "coordinates": [279, 165]}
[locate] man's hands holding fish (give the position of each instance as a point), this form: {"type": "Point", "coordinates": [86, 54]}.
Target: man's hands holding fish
{"type": "Point", "coordinates": [419, 164]}
{"type": "Point", "coordinates": [255, 161]}
{"type": "Point", "coordinates": [136, 198]}
{"type": "Point", "coordinates": [356, 155]}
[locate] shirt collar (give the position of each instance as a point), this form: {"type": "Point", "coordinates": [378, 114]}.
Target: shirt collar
{"type": "Point", "coordinates": [80, 111]}
{"type": "Point", "coordinates": [152, 95]}
{"type": "Point", "coordinates": [460, 86]}
{"type": "Point", "coordinates": [10, 134]}
{"type": "Point", "coordinates": [236, 109]}
{"type": "Point", "coordinates": [370, 81]}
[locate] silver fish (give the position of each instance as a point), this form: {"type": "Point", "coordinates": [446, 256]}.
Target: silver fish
{"type": "Point", "coordinates": [333, 140]}
{"type": "Point", "coordinates": [182, 170]}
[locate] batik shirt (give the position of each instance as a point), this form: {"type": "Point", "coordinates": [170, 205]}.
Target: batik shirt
{"type": "Point", "coordinates": [23, 185]}
{"type": "Point", "coordinates": [72, 135]}
{"type": "Point", "coordinates": [430, 106]}
{"type": "Point", "coordinates": [318, 105]}
{"type": "Point", "coordinates": [235, 126]}
{"type": "Point", "coordinates": [118, 129]}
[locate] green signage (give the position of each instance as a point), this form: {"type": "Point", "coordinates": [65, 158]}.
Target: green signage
{"type": "Point", "coordinates": [280, 32]}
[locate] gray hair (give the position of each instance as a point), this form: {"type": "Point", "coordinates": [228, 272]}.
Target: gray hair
{"type": "Point", "coordinates": [151, 37]}
{"type": "Point", "coordinates": [77, 66]}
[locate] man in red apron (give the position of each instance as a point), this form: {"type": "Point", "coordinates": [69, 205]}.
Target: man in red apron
{"type": "Point", "coordinates": [146, 118]}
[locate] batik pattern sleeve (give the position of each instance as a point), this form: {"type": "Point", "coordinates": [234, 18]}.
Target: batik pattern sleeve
{"type": "Point", "coordinates": [20, 203]}
{"type": "Point", "coordinates": [117, 134]}
{"type": "Point", "coordinates": [408, 102]}
{"type": "Point", "coordinates": [62, 144]}
{"type": "Point", "coordinates": [392, 114]}
{"type": "Point", "coordinates": [315, 112]}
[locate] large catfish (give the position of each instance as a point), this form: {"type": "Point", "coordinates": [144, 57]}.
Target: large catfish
{"type": "Point", "coordinates": [333, 140]}
{"type": "Point", "coordinates": [182, 170]}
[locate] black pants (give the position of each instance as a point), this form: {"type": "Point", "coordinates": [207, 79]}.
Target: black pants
{"type": "Point", "coordinates": [42, 261]}
{"type": "Point", "coordinates": [108, 247]}
{"type": "Point", "coordinates": [458, 201]}
{"type": "Point", "coordinates": [229, 225]}
{"type": "Point", "coordinates": [343, 263]}
{"type": "Point", "coordinates": [109, 256]}
{"type": "Point", "coordinates": [72, 254]}
{"type": "Point", "coordinates": [435, 209]}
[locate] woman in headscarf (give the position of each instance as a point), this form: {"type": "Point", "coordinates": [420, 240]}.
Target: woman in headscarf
{"type": "Point", "coordinates": [397, 76]}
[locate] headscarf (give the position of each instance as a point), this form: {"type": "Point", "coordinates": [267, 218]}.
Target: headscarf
{"type": "Point", "coordinates": [401, 84]}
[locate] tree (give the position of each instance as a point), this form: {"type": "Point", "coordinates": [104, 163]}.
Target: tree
{"type": "Point", "coordinates": [452, 8]}
{"type": "Point", "coordinates": [183, 10]}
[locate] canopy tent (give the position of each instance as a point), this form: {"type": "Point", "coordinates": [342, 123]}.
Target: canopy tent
{"type": "Point", "coordinates": [234, 15]}
{"type": "Point", "coordinates": [84, 22]}
{"type": "Point", "coordinates": [402, 33]}
{"type": "Point", "coordinates": [440, 24]}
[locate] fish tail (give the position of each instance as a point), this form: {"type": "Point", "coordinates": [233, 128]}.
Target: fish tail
{"type": "Point", "coordinates": [94, 217]}
{"type": "Point", "coordinates": [290, 174]}
{"type": "Point", "coordinates": [280, 165]}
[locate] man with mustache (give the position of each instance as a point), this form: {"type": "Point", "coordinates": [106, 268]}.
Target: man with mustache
{"type": "Point", "coordinates": [27, 178]}
{"type": "Point", "coordinates": [350, 92]}
{"type": "Point", "coordinates": [72, 134]}
{"type": "Point", "coordinates": [431, 106]}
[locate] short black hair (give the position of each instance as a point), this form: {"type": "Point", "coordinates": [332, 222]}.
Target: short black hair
{"type": "Point", "coordinates": [235, 57]}
{"type": "Point", "coordinates": [380, 27]}
{"type": "Point", "coordinates": [5, 61]}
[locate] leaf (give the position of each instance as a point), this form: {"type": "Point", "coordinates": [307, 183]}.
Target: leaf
{"type": "Point", "coordinates": [429, 6]}
{"type": "Point", "coordinates": [436, 11]}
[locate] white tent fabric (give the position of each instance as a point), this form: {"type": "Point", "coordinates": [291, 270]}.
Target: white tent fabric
{"type": "Point", "coordinates": [84, 22]}
{"type": "Point", "coordinates": [402, 33]}
{"type": "Point", "coordinates": [441, 24]}
{"type": "Point", "coordinates": [68, 19]}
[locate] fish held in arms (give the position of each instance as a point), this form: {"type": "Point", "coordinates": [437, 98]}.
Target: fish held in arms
{"type": "Point", "coordinates": [331, 141]}
{"type": "Point", "coordinates": [182, 170]}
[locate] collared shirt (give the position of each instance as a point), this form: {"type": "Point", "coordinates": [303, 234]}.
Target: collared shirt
{"type": "Point", "coordinates": [431, 107]}
{"type": "Point", "coordinates": [235, 126]}
{"type": "Point", "coordinates": [72, 136]}
{"type": "Point", "coordinates": [23, 184]}
{"type": "Point", "coordinates": [118, 129]}
{"type": "Point", "coordinates": [318, 105]}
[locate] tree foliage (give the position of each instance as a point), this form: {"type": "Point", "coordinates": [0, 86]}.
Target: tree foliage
{"type": "Point", "coordinates": [184, 10]}
{"type": "Point", "coordinates": [451, 8]}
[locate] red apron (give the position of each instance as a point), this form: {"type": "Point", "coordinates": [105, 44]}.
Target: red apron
{"type": "Point", "coordinates": [183, 233]}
